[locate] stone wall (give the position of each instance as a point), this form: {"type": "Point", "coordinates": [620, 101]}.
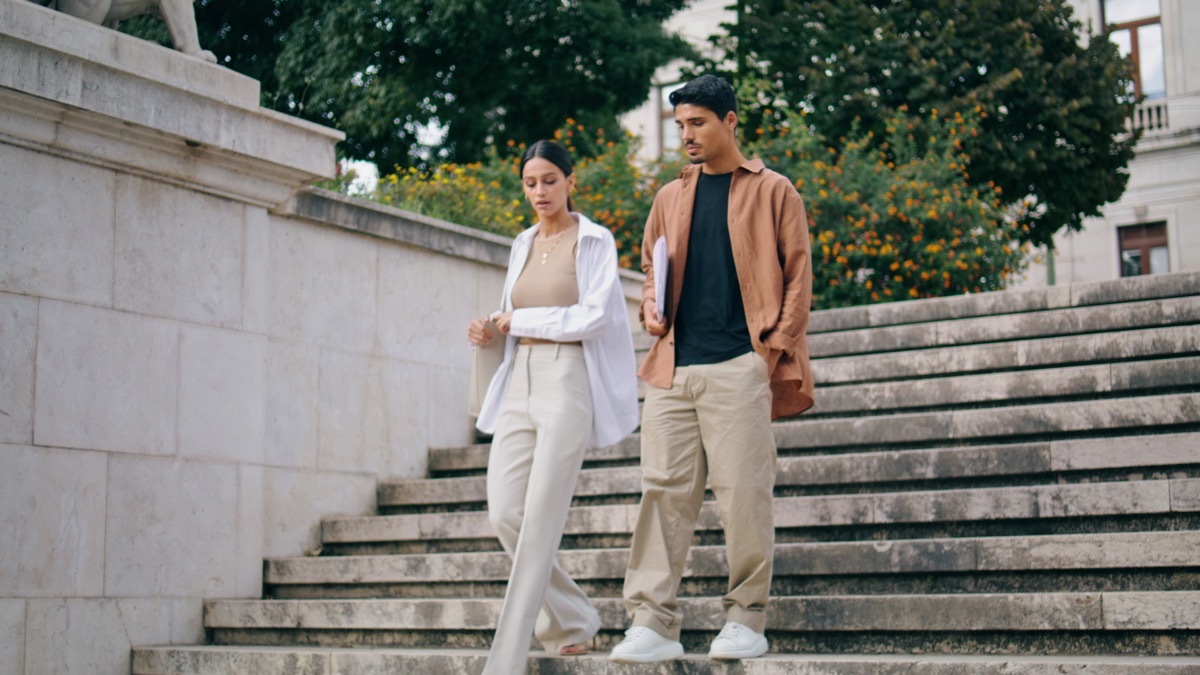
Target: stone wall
{"type": "Point", "coordinates": [199, 356]}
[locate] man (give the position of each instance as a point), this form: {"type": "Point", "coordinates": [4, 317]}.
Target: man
{"type": "Point", "coordinates": [730, 356]}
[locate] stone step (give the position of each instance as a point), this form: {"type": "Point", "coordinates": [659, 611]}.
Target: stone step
{"type": "Point", "coordinates": [1032, 458]}
{"type": "Point", "coordinates": [1012, 387]}
{"type": "Point", "coordinates": [1123, 498]}
{"type": "Point", "coordinates": [998, 388]}
{"type": "Point", "coordinates": [895, 466]}
{"type": "Point", "coordinates": [1023, 422]}
{"type": "Point", "coordinates": [1091, 551]}
{"type": "Point", "coordinates": [211, 660]}
{"type": "Point", "coordinates": [986, 329]}
{"type": "Point", "coordinates": [1005, 302]}
{"type": "Point", "coordinates": [1003, 356]}
{"type": "Point", "coordinates": [474, 457]}
{"type": "Point", "coordinates": [1096, 611]}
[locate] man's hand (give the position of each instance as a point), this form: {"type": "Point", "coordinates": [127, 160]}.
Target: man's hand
{"type": "Point", "coordinates": [650, 316]}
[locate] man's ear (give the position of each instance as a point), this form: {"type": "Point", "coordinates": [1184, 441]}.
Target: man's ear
{"type": "Point", "coordinates": [731, 120]}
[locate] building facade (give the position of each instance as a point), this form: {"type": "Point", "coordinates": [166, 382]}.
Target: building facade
{"type": "Point", "coordinates": [1155, 227]}
{"type": "Point", "coordinates": [654, 120]}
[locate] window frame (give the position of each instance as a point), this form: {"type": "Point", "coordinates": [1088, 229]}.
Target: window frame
{"type": "Point", "coordinates": [1143, 238]}
{"type": "Point", "coordinates": [666, 114]}
{"type": "Point", "coordinates": [1134, 52]}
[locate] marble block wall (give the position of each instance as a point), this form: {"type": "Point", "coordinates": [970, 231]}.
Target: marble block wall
{"type": "Point", "coordinates": [200, 357]}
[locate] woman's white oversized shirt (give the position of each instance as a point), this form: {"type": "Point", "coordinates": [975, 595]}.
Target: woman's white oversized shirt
{"type": "Point", "coordinates": [600, 320]}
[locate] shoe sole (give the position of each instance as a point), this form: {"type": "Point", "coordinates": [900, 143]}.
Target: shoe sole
{"type": "Point", "coordinates": [752, 653]}
{"type": "Point", "coordinates": [666, 653]}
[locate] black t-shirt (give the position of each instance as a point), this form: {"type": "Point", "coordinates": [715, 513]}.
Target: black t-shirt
{"type": "Point", "coordinates": [710, 326]}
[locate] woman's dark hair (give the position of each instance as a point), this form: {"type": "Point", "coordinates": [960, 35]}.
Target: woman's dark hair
{"type": "Point", "coordinates": [708, 91]}
{"type": "Point", "coordinates": [553, 153]}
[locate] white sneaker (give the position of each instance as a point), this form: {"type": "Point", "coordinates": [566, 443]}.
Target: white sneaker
{"type": "Point", "coordinates": [645, 645]}
{"type": "Point", "coordinates": [738, 641]}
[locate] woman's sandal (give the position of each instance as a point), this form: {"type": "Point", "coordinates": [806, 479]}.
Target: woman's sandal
{"type": "Point", "coordinates": [577, 649]}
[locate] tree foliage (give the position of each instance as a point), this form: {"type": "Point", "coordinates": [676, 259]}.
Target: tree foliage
{"type": "Point", "coordinates": [247, 37]}
{"type": "Point", "coordinates": [414, 82]}
{"type": "Point", "coordinates": [1053, 137]}
{"type": "Point", "coordinates": [891, 218]}
{"type": "Point", "coordinates": [895, 216]}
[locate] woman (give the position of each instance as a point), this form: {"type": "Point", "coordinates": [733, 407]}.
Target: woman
{"type": "Point", "coordinates": [568, 382]}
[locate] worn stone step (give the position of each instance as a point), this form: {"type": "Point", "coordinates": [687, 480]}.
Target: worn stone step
{"type": "Point", "coordinates": [1101, 611]}
{"type": "Point", "coordinates": [985, 329]}
{"type": "Point", "coordinates": [925, 427]}
{"type": "Point", "coordinates": [1127, 498]}
{"type": "Point", "coordinates": [1093, 551]}
{"type": "Point", "coordinates": [1135, 414]}
{"type": "Point", "coordinates": [1003, 356]}
{"type": "Point", "coordinates": [812, 471]}
{"type": "Point", "coordinates": [1011, 387]}
{"type": "Point", "coordinates": [473, 489]}
{"type": "Point", "coordinates": [1005, 302]}
{"type": "Point", "coordinates": [231, 660]}
{"type": "Point", "coordinates": [473, 457]}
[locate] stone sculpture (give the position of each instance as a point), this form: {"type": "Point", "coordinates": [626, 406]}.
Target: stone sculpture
{"type": "Point", "coordinates": [178, 15]}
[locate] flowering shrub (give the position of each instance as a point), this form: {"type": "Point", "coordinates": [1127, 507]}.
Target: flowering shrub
{"type": "Point", "coordinates": [895, 220]}
{"type": "Point", "coordinates": [889, 221]}
{"type": "Point", "coordinates": [485, 195]}
{"type": "Point", "coordinates": [611, 189]}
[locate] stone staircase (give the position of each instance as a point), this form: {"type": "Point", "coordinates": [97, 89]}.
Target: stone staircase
{"type": "Point", "coordinates": [999, 483]}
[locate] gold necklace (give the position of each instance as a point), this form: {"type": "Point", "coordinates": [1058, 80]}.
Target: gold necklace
{"type": "Point", "coordinates": [546, 252]}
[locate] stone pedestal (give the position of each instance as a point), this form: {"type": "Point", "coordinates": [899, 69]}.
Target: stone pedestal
{"type": "Point", "coordinates": [75, 90]}
{"type": "Point", "coordinates": [164, 423]}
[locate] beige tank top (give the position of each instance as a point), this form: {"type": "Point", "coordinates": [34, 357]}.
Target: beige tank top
{"type": "Point", "coordinates": [548, 279]}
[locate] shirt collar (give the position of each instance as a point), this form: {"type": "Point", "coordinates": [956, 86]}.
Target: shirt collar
{"type": "Point", "coordinates": [752, 165]}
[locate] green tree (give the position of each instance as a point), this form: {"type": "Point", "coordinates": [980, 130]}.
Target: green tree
{"type": "Point", "coordinates": [247, 37]}
{"type": "Point", "coordinates": [394, 74]}
{"type": "Point", "coordinates": [891, 218]}
{"type": "Point", "coordinates": [1055, 98]}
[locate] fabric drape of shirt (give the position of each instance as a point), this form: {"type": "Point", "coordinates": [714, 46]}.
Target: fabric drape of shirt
{"type": "Point", "coordinates": [600, 320]}
{"type": "Point", "coordinates": [768, 229]}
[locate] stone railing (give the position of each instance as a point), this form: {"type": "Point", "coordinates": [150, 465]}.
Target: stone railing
{"type": "Point", "coordinates": [1149, 117]}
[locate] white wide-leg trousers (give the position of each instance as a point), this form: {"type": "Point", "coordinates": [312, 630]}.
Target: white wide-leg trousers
{"type": "Point", "coordinates": [541, 435]}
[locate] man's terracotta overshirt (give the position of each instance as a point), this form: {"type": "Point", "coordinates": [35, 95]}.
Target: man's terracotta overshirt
{"type": "Point", "coordinates": [768, 230]}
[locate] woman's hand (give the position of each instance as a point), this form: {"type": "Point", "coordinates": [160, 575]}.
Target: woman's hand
{"type": "Point", "coordinates": [481, 332]}
{"type": "Point", "coordinates": [503, 322]}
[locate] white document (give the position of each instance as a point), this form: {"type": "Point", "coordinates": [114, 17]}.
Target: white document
{"type": "Point", "coordinates": [661, 271]}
